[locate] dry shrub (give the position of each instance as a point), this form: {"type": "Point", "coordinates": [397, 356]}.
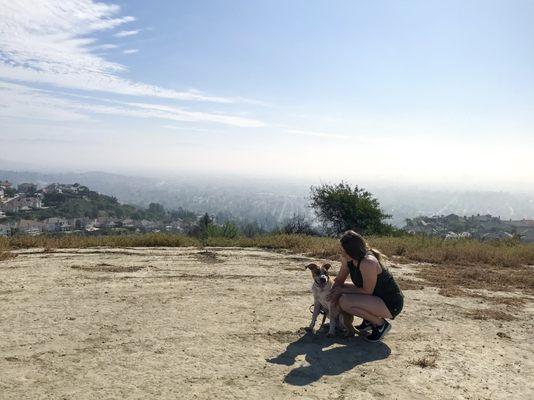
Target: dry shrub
{"type": "Point", "coordinates": [427, 361]}
{"type": "Point", "coordinates": [503, 335]}
{"type": "Point", "coordinates": [6, 255]}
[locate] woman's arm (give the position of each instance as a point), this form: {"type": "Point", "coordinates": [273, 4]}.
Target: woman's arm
{"type": "Point", "coordinates": [369, 271]}
{"type": "Point", "coordinates": [342, 275]}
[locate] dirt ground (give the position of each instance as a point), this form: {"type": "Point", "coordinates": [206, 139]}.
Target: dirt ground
{"type": "Point", "coordinates": [225, 323]}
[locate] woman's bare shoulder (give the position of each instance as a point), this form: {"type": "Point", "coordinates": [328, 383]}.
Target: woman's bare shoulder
{"type": "Point", "coordinates": [371, 262]}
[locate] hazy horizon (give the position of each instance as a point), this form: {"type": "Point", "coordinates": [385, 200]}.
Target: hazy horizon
{"type": "Point", "coordinates": [424, 94]}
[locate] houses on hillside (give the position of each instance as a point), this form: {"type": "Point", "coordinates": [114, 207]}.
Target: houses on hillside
{"type": "Point", "coordinates": [482, 227]}
{"type": "Point", "coordinates": [21, 203]}
{"type": "Point", "coordinates": [56, 225]}
{"type": "Point", "coordinates": [25, 198]}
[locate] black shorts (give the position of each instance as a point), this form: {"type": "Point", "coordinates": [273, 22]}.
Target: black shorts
{"type": "Point", "coordinates": [394, 303]}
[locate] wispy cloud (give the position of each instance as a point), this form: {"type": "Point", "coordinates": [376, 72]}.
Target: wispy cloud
{"type": "Point", "coordinates": [316, 134]}
{"type": "Point", "coordinates": [122, 34]}
{"type": "Point", "coordinates": [107, 46]}
{"type": "Point", "coordinates": [130, 51]}
{"type": "Point", "coordinates": [53, 42]}
{"type": "Point", "coordinates": [19, 101]}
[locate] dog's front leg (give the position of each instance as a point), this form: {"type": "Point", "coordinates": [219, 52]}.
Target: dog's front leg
{"type": "Point", "coordinates": [316, 310]}
{"type": "Point", "coordinates": [333, 313]}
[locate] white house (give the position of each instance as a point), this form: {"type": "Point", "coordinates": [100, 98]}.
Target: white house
{"type": "Point", "coordinates": [20, 203]}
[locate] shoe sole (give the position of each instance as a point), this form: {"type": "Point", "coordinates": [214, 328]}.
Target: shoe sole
{"type": "Point", "coordinates": [382, 337]}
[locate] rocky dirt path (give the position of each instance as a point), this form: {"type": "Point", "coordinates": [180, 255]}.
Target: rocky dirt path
{"type": "Point", "coordinates": [225, 323]}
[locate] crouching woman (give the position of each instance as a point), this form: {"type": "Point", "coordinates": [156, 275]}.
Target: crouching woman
{"type": "Point", "coordinates": [373, 294]}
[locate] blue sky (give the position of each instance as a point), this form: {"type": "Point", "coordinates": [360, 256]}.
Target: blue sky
{"type": "Point", "coordinates": [418, 91]}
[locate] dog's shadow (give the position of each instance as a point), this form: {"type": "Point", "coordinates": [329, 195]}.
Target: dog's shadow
{"type": "Point", "coordinates": [354, 351]}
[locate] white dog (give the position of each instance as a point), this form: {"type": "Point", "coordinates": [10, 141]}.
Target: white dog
{"type": "Point", "coordinates": [320, 289]}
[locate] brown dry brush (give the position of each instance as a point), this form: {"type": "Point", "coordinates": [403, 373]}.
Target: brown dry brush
{"type": "Point", "coordinates": [485, 314]}
{"type": "Point", "coordinates": [428, 361]}
{"type": "Point", "coordinates": [5, 249]}
{"type": "Point", "coordinates": [451, 279]}
{"type": "Point", "coordinates": [414, 248]}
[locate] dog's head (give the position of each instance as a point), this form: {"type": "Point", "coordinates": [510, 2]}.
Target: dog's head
{"type": "Point", "coordinates": [319, 274]}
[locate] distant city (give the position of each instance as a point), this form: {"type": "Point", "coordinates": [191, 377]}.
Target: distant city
{"type": "Point", "coordinates": [266, 203]}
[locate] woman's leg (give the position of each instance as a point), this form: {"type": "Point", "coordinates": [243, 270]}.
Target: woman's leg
{"type": "Point", "coordinates": [366, 306]}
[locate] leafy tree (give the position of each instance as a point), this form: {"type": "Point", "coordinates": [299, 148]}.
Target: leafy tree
{"type": "Point", "coordinates": [155, 212]}
{"type": "Point", "coordinates": [229, 230]}
{"type": "Point", "coordinates": [10, 192]}
{"type": "Point", "coordinates": [341, 207]}
{"type": "Point", "coordinates": [204, 224]}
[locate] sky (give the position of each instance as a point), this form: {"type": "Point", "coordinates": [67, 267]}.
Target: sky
{"type": "Point", "coordinates": [420, 92]}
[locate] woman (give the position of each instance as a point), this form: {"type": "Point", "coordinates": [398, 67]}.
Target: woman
{"type": "Point", "coordinates": [374, 295]}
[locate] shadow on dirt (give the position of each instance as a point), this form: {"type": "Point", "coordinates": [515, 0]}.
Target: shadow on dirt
{"type": "Point", "coordinates": [353, 352]}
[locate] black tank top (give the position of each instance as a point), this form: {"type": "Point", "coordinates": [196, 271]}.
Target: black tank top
{"type": "Point", "coordinates": [385, 284]}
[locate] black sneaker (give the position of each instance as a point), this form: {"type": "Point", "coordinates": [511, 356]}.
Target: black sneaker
{"type": "Point", "coordinates": [364, 326]}
{"type": "Point", "coordinates": [378, 332]}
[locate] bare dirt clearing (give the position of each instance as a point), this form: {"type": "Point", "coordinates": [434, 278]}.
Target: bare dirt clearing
{"type": "Point", "coordinates": [225, 323]}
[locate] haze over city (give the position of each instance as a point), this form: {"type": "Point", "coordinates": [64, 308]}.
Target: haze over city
{"type": "Point", "coordinates": [418, 92]}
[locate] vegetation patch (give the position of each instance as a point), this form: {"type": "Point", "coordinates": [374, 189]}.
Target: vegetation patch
{"type": "Point", "coordinates": [208, 257]}
{"type": "Point", "coordinates": [427, 361]}
{"type": "Point", "coordinates": [410, 284]}
{"type": "Point", "coordinates": [485, 314]}
{"type": "Point", "coordinates": [108, 268]}
{"type": "Point", "coordinates": [451, 279]}
{"type": "Point", "coordinates": [414, 248]}
{"type": "Point", "coordinates": [6, 255]}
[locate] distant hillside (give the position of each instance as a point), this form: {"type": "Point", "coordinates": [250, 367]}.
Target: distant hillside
{"type": "Point", "coordinates": [270, 202]}
{"type": "Point", "coordinates": [78, 201]}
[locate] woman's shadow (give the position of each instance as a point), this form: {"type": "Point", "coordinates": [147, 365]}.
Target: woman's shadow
{"type": "Point", "coordinates": [354, 351]}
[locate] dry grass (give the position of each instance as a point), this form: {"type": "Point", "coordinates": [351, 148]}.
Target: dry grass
{"type": "Point", "coordinates": [503, 300]}
{"type": "Point", "coordinates": [451, 279]}
{"type": "Point", "coordinates": [485, 314]}
{"type": "Point", "coordinates": [465, 251]}
{"type": "Point", "coordinates": [76, 241]}
{"type": "Point", "coordinates": [5, 255]}
{"type": "Point", "coordinates": [453, 292]}
{"type": "Point", "coordinates": [410, 284]}
{"type": "Point", "coordinates": [415, 248]}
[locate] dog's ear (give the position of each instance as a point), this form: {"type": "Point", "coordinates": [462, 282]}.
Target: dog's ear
{"type": "Point", "coordinates": [326, 266]}
{"type": "Point", "coordinates": [312, 267]}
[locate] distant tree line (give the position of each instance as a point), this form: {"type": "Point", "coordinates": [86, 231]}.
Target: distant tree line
{"type": "Point", "coordinates": [338, 207]}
